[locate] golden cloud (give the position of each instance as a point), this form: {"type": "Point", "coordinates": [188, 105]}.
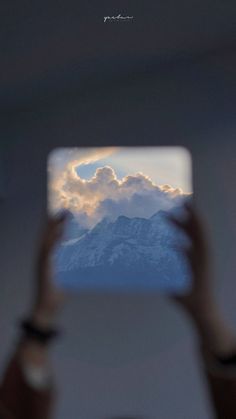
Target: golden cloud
{"type": "Point", "coordinates": [104, 194]}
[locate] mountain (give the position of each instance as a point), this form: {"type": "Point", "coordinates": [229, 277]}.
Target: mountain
{"type": "Point", "coordinates": [128, 253]}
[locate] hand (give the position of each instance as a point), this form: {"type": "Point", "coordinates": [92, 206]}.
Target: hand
{"type": "Point", "coordinates": [200, 303]}
{"type": "Point", "coordinates": [48, 298]}
{"type": "Point", "coordinates": [200, 297]}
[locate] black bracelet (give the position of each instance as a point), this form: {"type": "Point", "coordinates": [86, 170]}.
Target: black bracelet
{"type": "Point", "coordinates": [227, 361]}
{"type": "Point", "coordinates": [34, 332]}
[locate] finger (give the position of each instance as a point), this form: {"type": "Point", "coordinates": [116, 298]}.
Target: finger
{"type": "Point", "coordinates": [53, 232]}
{"type": "Point", "coordinates": [56, 221]}
{"type": "Point", "coordinates": [176, 221]}
{"type": "Point", "coordinates": [196, 230]}
{"type": "Point", "coordinates": [188, 204]}
{"type": "Point", "coordinates": [191, 226]}
{"type": "Point", "coordinates": [187, 251]}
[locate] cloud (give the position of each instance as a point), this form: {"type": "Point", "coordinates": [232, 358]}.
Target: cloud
{"type": "Point", "coordinates": [61, 159]}
{"type": "Point", "coordinates": [62, 164]}
{"type": "Point", "coordinates": [141, 204]}
{"type": "Point", "coordinates": [104, 195]}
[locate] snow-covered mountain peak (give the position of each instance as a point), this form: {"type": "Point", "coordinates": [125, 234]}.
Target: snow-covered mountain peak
{"type": "Point", "coordinates": [127, 249]}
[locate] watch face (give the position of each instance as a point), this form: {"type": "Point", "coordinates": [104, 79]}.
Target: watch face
{"type": "Point", "coordinates": [117, 235]}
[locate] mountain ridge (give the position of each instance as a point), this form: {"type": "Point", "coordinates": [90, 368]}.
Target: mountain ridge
{"type": "Point", "coordinates": [124, 251]}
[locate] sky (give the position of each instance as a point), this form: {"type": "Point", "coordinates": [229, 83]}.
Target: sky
{"type": "Point", "coordinates": [95, 183]}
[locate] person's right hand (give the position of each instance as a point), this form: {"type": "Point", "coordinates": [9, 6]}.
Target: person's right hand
{"type": "Point", "coordinates": [200, 297]}
{"type": "Point", "coordinates": [199, 303]}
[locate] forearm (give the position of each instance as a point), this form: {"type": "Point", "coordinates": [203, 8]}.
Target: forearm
{"type": "Point", "coordinates": [212, 331]}
{"type": "Point", "coordinates": [218, 351]}
{"type": "Point", "coordinates": [27, 389]}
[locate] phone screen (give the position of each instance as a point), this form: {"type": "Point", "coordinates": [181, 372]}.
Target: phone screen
{"type": "Point", "coordinates": [117, 235]}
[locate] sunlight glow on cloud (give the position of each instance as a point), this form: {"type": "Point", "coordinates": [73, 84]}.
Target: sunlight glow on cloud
{"type": "Point", "coordinates": [104, 195]}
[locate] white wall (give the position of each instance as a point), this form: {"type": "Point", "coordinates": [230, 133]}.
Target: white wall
{"type": "Point", "coordinates": [125, 354]}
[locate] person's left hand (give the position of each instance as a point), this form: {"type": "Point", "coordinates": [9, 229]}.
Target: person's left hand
{"type": "Point", "coordinates": [48, 298]}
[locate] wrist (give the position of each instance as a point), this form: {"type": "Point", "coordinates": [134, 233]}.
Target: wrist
{"type": "Point", "coordinates": [42, 318]}
{"type": "Point", "coordinates": [37, 333]}
{"type": "Point", "coordinates": [213, 332]}
{"type": "Point", "coordinates": [205, 315]}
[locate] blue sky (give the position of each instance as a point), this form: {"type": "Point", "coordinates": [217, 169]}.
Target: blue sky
{"type": "Point", "coordinates": [171, 165]}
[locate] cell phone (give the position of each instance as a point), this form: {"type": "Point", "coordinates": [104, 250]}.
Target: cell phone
{"type": "Point", "coordinates": [117, 236]}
